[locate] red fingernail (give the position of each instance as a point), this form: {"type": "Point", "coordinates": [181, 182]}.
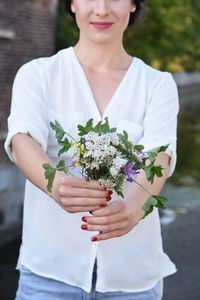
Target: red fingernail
{"type": "Point", "coordinates": [84, 227]}
{"type": "Point", "coordinates": [94, 239]}
{"type": "Point", "coordinates": [102, 205]}
{"type": "Point", "coordinates": [91, 212]}
{"type": "Point", "coordinates": [110, 192]}
{"type": "Point", "coordinates": [84, 219]}
{"type": "Point", "coordinates": [108, 198]}
{"type": "Point", "coordinates": [105, 188]}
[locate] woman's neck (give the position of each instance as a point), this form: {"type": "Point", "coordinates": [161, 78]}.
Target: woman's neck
{"type": "Point", "coordinates": [102, 57]}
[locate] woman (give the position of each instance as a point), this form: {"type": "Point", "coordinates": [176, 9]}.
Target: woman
{"type": "Point", "coordinates": [74, 245]}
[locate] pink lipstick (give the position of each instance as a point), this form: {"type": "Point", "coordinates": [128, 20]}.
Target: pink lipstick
{"type": "Point", "coordinates": [102, 25]}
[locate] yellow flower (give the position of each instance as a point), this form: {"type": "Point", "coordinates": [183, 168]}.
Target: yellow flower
{"type": "Point", "coordinates": [77, 163]}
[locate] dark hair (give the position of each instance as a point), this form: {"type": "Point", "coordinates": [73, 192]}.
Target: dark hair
{"type": "Point", "coordinates": [133, 16]}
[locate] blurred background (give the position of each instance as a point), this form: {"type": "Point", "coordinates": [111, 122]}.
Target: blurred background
{"type": "Point", "coordinates": [167, 37]}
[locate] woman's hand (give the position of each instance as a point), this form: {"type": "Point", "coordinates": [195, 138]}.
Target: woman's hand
{"type": "Point", "coordinates": [115, 220]}
{"type": "Point", "coordinates": [75, 194]}
{"type": "Point", "coordinates": [122, 215]}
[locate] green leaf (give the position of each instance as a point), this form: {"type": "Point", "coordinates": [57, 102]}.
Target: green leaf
{"type": "Point", "coordinates": [119, 193]}
{"type": "Point", "coordinates": [138, 147]}
{"type": "Point", "coordinates": [114, 129]}
{"type": "Point", "coordinates": [105, 128]}
{"type": "Point", "coordinates": [154, 152]}
{"type": "Point", "coordinates": [49, 175]}
{"type": "Point", "coordinates": [163, 148]}
{"type": "Point", "coordinates": [153, 201]}
{"type": "Point", "coordinates": [61, 165]}
{"type": "Point", "coordinates": [98, 127]}
{"type": "Point", "coordinates": [65, 146]}
{"type": "Point", "coordinates": [151, 171]}
{"type": "Point", "coordinates": [89, 123]}
{"type": "Point", "coordinates": [101, 127]}
{"type": "Point", "coordinates": [161, 201]}
{"type": "Point", "coordinates": [125, 135]}
{"type": "Point", "coordinates": [148, 205]}
{"type": "Point", "coordinates": [158, 170]}
{"type": "Point", "coordinates": [58, 129]}
{"type": "Point", "coordinates": [87, 128]}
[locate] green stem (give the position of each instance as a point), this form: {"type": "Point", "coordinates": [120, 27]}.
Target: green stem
{"type": "Point", "coordinates": [71, 137]}
{"type": "Point", "coordinates": [71, 174]}
{"type": "Point", "coordinates": [59, 169]}
{"type": "Point", "coordinates": [142, 187]}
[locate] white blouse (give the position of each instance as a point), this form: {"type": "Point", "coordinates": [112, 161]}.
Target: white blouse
{"type": "Point", "coordinates": [145, 104]}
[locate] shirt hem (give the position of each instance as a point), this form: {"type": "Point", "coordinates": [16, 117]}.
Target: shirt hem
{"type": "Point", "coordinates": [98, 289]}
{"type": "Point", "coordinates": [127, 290]}
{"type": "Point", "coordinates": [57, 278]}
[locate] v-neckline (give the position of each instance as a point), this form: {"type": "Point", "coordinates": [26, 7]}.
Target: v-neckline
{"type": "Point", "coordinates": [90, 96]}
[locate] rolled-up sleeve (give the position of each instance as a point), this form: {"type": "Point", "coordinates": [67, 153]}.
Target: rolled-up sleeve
{"type": "Point", "coordinates": [28, 111]}
{"type": "Point", "coordinates": [160, 121]}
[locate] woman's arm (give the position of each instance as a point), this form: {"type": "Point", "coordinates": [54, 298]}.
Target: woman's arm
{"type": "Point", "coordinates": [28, 155]}
{"type": "Point", "coordinates": [120, 216]}
{"type": "Point", "coordinates": [72, 193]}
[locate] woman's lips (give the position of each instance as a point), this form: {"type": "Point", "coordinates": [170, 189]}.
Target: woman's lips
{"type": "Point", "coordinates": [102, 25]}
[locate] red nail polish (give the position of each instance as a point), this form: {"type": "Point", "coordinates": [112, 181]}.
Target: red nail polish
{"type": "Point", "coordinates": [84, 227]}
{"type": "Point", "coordinates": [110, 192]}
{"type": "Point", "coordinates": [94, 239]}
{"type": "Point", "coordinates": [84, 219]}
{"type": "Point", "coordinates": [108, 198]}
{"type": "Point", "coordinates": [105, 188]}
{"type": "Point", "coordinates": [101, 205]}
{"type": "Point", "coordinates": [91, 212]}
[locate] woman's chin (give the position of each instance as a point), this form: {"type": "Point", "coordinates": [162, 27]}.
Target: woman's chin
{"type": "Point", "coordinates": [101, 40]}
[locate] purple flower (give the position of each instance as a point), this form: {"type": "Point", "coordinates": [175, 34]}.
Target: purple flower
{"type": "Point", "coordinates": [140, 155]}
{"type": "Point", "coordinates": [73, 163]}
{"type": "Point", "coordinates": [129, 172]}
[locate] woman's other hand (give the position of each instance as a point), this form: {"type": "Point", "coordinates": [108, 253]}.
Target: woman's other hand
{"type": "Point", "coordinates": [115, 220]}
{"type": "Point", "coordinates": [122, 215]}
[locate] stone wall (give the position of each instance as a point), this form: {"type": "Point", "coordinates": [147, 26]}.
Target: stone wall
{"type": "Point", "coordinates": [27, 30]}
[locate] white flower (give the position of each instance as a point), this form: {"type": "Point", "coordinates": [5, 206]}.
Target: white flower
{"type": "Point", "coordinates": [89, 145]}
{"type": "Point", "coordinates": [117, 164]}
{"type": "Point", "coordinates": [74, 152]}
{"type": "Point", "coordinates": [107, 183]}
{"type": "Point", "coordinates": [115, 139]}
{"type": "Point", "coordinates": [114, 171]}
{"type": "Point", "coordinates": [94, 165]}
{"type": "Point", "coordinates": [91, 136]}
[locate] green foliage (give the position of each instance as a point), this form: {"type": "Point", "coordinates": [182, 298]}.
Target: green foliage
{"type": "Point", "coordinates": [119, 185]}
{"type": "Point", "coordinates": [151, 170]}
{"type": "Point", "coordinates": [58, 129]}
{"type": "Point", "coordinates": [66, 32]}
{"type": "Point", "coordinates": [100, 128]}
{"type": "Point", "coordinates": [50, 173]}
{"type": "Point", "coordinates": [166, 37]}
{"type": "Point", "coordinates": [59, 132]}
{"type": "Point", "coordinates": [153, 201]}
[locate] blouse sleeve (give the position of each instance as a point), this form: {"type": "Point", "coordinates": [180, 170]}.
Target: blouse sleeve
{"type": "Point", "coordinates": [160, 121]}
{"type": "Point", "coordinates": [28, 112]}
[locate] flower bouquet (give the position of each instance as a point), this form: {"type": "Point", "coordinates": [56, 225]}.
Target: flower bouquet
{"type": "Point", "coordinates": [109, 157]}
